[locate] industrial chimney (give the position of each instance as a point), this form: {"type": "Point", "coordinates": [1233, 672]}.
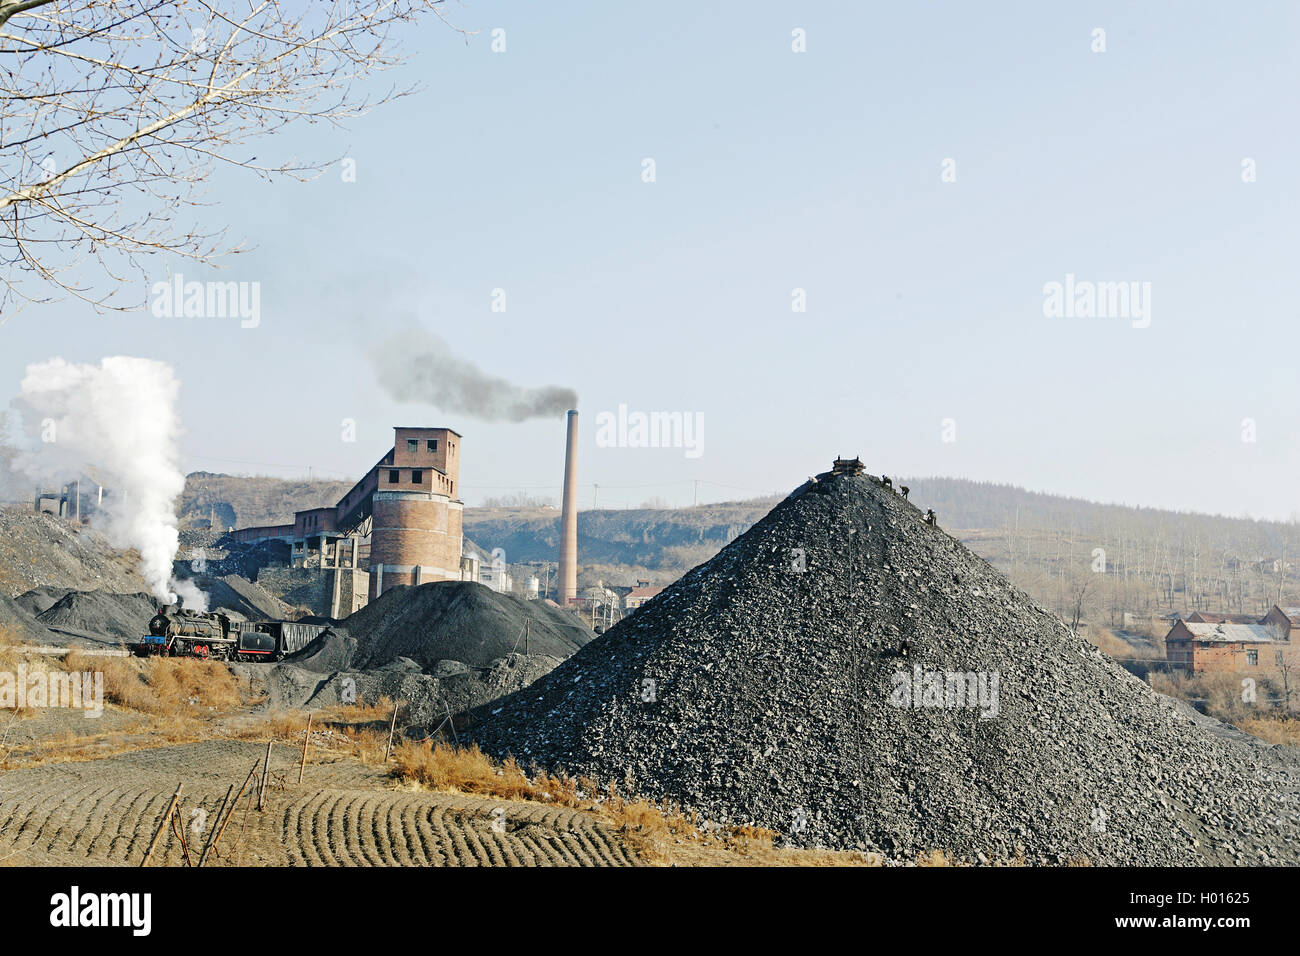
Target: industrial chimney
{"type": "Point", "coordinates": [567, 585]}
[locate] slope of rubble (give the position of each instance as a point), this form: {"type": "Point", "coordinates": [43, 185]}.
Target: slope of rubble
{"type": "Point", "coordinates": [427, 695]}
{"type": "Point", "coordinates": [40, 549]}
{"type": "Point", "coordinates": [98, 612]}
{"type": "Point", "coordinates": [790, 682]}
{"type": "Point", "coordinates": [18, 624]}
{"type": "Point", "coordinates": [462, 621]}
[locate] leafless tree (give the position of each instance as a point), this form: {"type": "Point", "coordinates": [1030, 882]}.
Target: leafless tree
{"type": "Point", "coordinates": [114, 113]}
{"type": "Point", "coordinates": [1078, 592]}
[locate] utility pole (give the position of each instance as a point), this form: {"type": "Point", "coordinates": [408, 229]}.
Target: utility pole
{"type": "Point", "coordinates": [697, 492]}
{"type": "Point", "coordinates": [595, 494]}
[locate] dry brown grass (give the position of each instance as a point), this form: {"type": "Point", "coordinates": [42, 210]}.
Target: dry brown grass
{"type": "Point", "coordinates": [1274, 730]}
{"type": "Point", "coordinates": [1221, 693]}
{"type": "Point", "coordinates": [163, 686]}
{"type": "Point", "coordinates": [1110, 644]}
{"type": "Point", "coordinates": [176, 700]}
{"type": "Point", "coordinates": [11, 656]}
{"type": "Point", "coordinates": [441, 766]}
{"type": "Point", "coordinates": [380, 710]}
{"type": "Point", "coordinates": [659, 832]}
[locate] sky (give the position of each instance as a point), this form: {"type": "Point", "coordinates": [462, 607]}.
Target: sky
{"type": "Point", "coordinates": [925, 345]}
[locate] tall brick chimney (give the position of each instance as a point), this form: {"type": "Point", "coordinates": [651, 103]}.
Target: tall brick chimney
{"type": "Point", "coordinates": [567, 585]}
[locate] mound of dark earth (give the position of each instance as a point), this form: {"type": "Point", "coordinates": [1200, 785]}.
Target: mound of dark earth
{"type": "Point", "coordinates": [18, 623]}
{"type": "Point", "coordinates": [40, 599]}
{"type": "Point", "coordinates": [459, 621]}
{"type": "Point", "coordinates": [427, 695]}
{"type": "Point", "coordinates": [99, 612]}
{"type": "Point", "coordinates": [332, 651]}
{"type": "Point", "coordinates": [243, 596]}
{"type": "Point", "coordinates": [807, 680]}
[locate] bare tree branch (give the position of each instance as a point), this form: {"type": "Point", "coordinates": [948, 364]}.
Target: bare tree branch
{"type": "Point", "coordinates": [113, 114]}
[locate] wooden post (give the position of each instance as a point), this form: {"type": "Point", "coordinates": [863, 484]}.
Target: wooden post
{"type": "Point", "coordinates": [391, 727]}
{"type": "Point", "coordinates": [178, 827]}
{"type": "Point", "coordinates": [166, 818]}
{"type": "Point", "coordinates": [451, 722]}
{"type": "Point", "coordinates": [243, 825]}
{"type": "Point", "coordinates": [306, 737]}
{"type": "Point", "coordinates": [234, 805]}
{"type": "Point", "coordinates": [215, 823]}
{"type": "Point", "coordinates": [266, 770]}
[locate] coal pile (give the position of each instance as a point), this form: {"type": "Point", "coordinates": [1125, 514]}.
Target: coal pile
{"type": "Point", "coordinates": [40, 599]}
{"type": "Point", "coordinates": [310, 680]}
{"type": "Point", "coordinates": [238, 594]}
{"type": "Point", "coordinates": [331, 651]}
{"type": "Point", "coordinates": [18, 623]}
{"type": "Point", "coordinates": [460, 621]}
{"type": "Point", "coordinates": [439, 649]}
{"type": "Point", "coordinates": [99, 612]}
{"type": "Point", "coordinates": [851, 677]}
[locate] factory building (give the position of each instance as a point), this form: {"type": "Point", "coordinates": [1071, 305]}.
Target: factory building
{"type": "Point", "coordinates": [416, 512]}
{"type": "Point", "coordinates": [407, 508]}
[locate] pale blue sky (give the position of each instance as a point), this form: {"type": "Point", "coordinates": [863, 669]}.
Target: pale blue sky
{"type": "Point", "coordinates": [778, 170]}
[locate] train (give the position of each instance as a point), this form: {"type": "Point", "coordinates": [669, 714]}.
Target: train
{"type": "Point", "coordinates": [223, 636]}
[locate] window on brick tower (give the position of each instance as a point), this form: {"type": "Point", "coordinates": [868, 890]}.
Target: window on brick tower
{"type": "Point", "coordinates": [417, 477]}
{"type": "Point", "coordinates": [394, 476]}
{"type": "Point", "coordinates": [433, 444]}
{"type": "Point", "coordinates": [1252, 658]}
{"type": "Point", "coordinates": [412, 445]}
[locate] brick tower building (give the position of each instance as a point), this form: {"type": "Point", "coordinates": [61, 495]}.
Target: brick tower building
{"type": "Point", "coordinates": [416, 529]}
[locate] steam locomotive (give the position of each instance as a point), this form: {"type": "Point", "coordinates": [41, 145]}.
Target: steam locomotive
{"type": "Point", "coordinates": [223, 635]}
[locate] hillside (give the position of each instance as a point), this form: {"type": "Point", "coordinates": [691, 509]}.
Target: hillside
{"type": "Point", "coordinates": [1099, 561]}
{"type": "Point", "coordinates": [39, 549]}
{"type": "Point", "coordinates": [672, 539]}
{"type": "Point", "coordinates": [238, 501]}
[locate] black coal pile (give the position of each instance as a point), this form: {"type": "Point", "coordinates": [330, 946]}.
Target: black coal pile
{"type": "Point", "coordinates": [18, 623]}
{"type": "Point", "coordinates": [460, 621]}
{"type": "Point", "coordinates": [99, 612]}
{"type": "Point", "coordinates": [331, 651]}
{"type": "Point", "coordinates": [243, 596]}
{"type": "Point", "coordinates": [850, 676]}
{"type": "Point", "coordinates": [40, 599]}
{"type": "Point", "coordinates": [427, 694]}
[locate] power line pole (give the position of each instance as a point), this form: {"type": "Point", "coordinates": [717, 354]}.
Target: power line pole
{"type": "Point", "coordinates": [697, 493]}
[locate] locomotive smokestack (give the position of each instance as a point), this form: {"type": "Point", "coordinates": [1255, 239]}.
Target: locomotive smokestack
{"type": "Point", "coordinates": [567, 586]}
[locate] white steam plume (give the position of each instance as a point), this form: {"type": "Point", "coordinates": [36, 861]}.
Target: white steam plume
{"type": "Point", "coordinates": [117, 420]}
{"type": "Point", "coordinates": [417, 366]}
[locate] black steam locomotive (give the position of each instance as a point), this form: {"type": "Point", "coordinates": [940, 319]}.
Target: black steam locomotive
{"type": "Point", "coordinates": [223, 635]}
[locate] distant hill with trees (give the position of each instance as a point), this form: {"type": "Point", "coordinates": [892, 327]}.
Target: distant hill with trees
{"type": "Point", "coordinates": [1082, 559]}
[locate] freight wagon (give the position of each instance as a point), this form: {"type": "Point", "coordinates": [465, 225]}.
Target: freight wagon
{"type": "Point", "coordinates": [223, 635]}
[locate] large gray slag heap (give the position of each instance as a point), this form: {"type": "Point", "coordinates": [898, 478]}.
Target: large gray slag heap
{"type": "Point", "coordinates": [767, 687]}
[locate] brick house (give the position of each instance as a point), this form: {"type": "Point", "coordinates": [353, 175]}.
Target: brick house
{"type": "Point", "coordinates": [1259, 648]}
{"type": "Point", "coordinates": [643, 592]}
